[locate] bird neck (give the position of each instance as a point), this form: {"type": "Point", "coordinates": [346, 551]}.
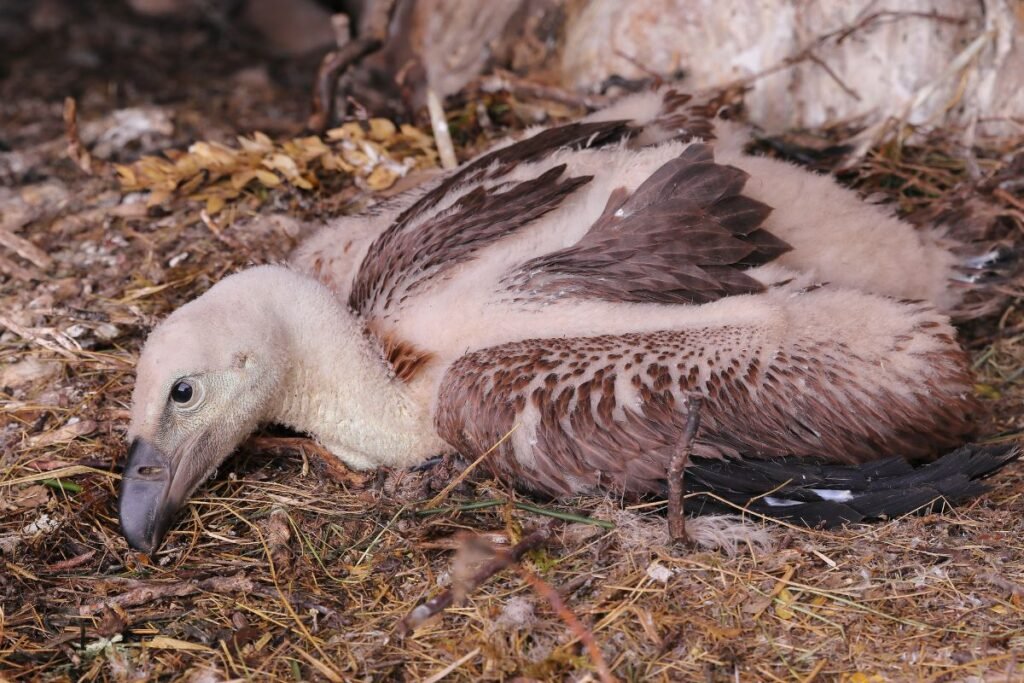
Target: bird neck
{"type": "Point", "coordinates": [338, 387]}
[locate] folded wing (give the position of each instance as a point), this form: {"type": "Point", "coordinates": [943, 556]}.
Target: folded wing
{"type": "Point", "coordinates": [796, 375]}
{"type": "Point", "coordinates": [685, 236]}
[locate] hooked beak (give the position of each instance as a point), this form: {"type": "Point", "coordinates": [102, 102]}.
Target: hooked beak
{"type": "Point", "coordinates": [146, 506]}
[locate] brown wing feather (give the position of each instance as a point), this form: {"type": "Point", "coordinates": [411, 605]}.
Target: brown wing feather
{"type": "Point", "coordinates": [424, 241]}
{"type": "Point", "coordinates": [406, 359]}
{"type": "Point", "coordinates": [684, 116]}
{"type": "Point", "coordinates": [684, 236]}
{"type": "Point", "coordinates": [816, 399]}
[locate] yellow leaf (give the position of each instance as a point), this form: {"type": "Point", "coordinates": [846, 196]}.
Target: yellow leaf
{"type": "Point", "coordinates": [309, 148]}
{"type": "Point", "coordinates": [283, 163]}
{"type": "Point", "coordinates": [381, 130]}
{"type": "Point", "coordinates": [267, 178]}
{"type": "Point", "coordinates": [381, 178]}
{"type": "Point", "coordinates": [259, 143]}
{"type": "Point", "coordinates": [861, 677]}
{"type": "Point", "coordinates": [211, 155]}
{"type": "Point", "coordinates": [355, 157]}
{"type": "Point", "coordinates": [166, 643]}
{"type": "Point", "coordinates": [303, 183]}
{"type": "Point", "coordinates": [157, 198]}
{"type": "Point", "coordinates": [415, 134]}
{"type": "Point", "coordinates": [333, 162]}
{"type": "Point", "coordinates": [242, 178]}
{"type": "Point", "coordinates": [187, 165]}
{"type": "Point", "coordinates": [782, 603]}
{"type": "Point", "coordinates": [348, 131]}
{"type": "Point", "coordinates": [214, 204]}
{"type": "Point", "coordinates": [987, 391]}
{"type": "Point", "coordinates": [126, 176]}
{"type": "Point", "coordinates": [192, 184]}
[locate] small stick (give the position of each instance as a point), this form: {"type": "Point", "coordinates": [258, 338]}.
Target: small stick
{"type": "Point", "coordinates": [143, 592]}
{"type": "Point", "coordinates": [374, 31]}
{"type": "Point", "coordinates": [439, 498]}
{"type": "Point", "coordinates": [442, 136]}
{"type": "Point", "coordinates": [502, 560]}
{"type": "Point", "coordinates": [547, 591]}
{"type": "Point", "coordinates": [76, 150]}
{"type": "Point", "coordinates": [677, 469]}
{"type": "Point", "coordinates": [25, 249]}
{"type": "Point", "coordinates": [501, 80]}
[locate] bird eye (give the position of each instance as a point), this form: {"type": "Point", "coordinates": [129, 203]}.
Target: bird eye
{"type": "Point", "coordinates": [181, 392]}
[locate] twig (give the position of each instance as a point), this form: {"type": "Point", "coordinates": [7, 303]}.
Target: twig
{"type": "Point", "coordinates": [443, 673]}
{"type": "Point", "coordinates": [63, 345]}
{"type": "Point", "coordinates": [807, 51]}
{"type": "Point", "coordinates": [374, 31]}
{"type": "Point", "coordinates": [436, 500]}
{"type": "Point", "coordinates": [501, 80]}
{"type": "Point", "coordinates": [657, 80]}
{"type": "Point", "coordinates": [71, 562]}
{"type": "Point", "coordinates": [145, 591]}
{"type": "Point", "coordinates": [442, 136]}
{"type": "Point", "coordinates": [564, 516]}
{"type": "Point", "coordinates": [677, 469]}
{"type": "Point", "coordinates": [834, 76]}
{"type": "Point", "coordinates": [25, 249]}
{"type": "Point", "coordinates": [325, 464]}
{"type": "Point", "coordinates": [278, 534]}
{"type": "Point", "coordinates": [525, 507]}
{"type": "Point", "coordinates": [218, 232]}
{"type": "Point", "coordinates": [15, 271]}
{"type": "Point", "coordinates": [874, 134]}
{"type": "Point", "coordinates": [545, 590]}
{"type": "Point", "coordinates": [502, 560]}
{"type": "Point", "coordinates": [76, 150]}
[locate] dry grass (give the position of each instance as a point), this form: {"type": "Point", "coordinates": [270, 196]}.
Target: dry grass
{"type": "Point", "coordinates": [282, 569]}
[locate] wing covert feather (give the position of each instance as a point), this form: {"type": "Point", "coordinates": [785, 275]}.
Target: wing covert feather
{"type": "Point", "coordinates": [607, 411]}
{"type": "Point", "coordinates": [430, 237]}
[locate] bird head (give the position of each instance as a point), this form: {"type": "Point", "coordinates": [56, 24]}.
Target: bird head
{"type": "Point", "coordinates": [206, 378]}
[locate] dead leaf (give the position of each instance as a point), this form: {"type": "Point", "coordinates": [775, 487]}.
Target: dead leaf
{"type": "Point", "coordinates": [113, 620]}
{"type": "Point", "coordinates": [267, 178]}
{"type": "Point", "coordinates": [27, 371]}
{"type": "Point", "coordinates": [216, 174]}
{"type": "Point", "coordinates": [381, 178]}
{"type": "Point", "coordinates": [25, 498]}
{"type": "Point", "coordinates": [167, 643]}
{"type": "Point", "coordinates": [65, 433]}
{"type": "Point", "coordinates": [381, 130]}
{"type": "Point", "coordinates": [782, 605]}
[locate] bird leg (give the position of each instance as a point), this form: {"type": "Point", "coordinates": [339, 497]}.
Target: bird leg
{"type": "Point", "coordinates": [677, 469]}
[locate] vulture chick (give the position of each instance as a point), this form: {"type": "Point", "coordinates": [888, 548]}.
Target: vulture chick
{"type": "Point", "coordinates": [563, 296]}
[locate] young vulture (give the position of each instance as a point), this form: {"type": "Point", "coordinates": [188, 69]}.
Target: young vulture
{"type": "Point", "coordinates": [561, 297]}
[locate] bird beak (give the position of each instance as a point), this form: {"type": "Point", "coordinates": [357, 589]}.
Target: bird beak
{"type": "Point", "coordinates": [147, 505]}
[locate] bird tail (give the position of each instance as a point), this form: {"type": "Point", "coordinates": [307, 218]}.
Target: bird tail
{"type": "Point", "coordinates": [824, 495]}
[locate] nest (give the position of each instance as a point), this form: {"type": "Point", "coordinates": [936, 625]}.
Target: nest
{"type": "Point", "coordinates": [284, 569]}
